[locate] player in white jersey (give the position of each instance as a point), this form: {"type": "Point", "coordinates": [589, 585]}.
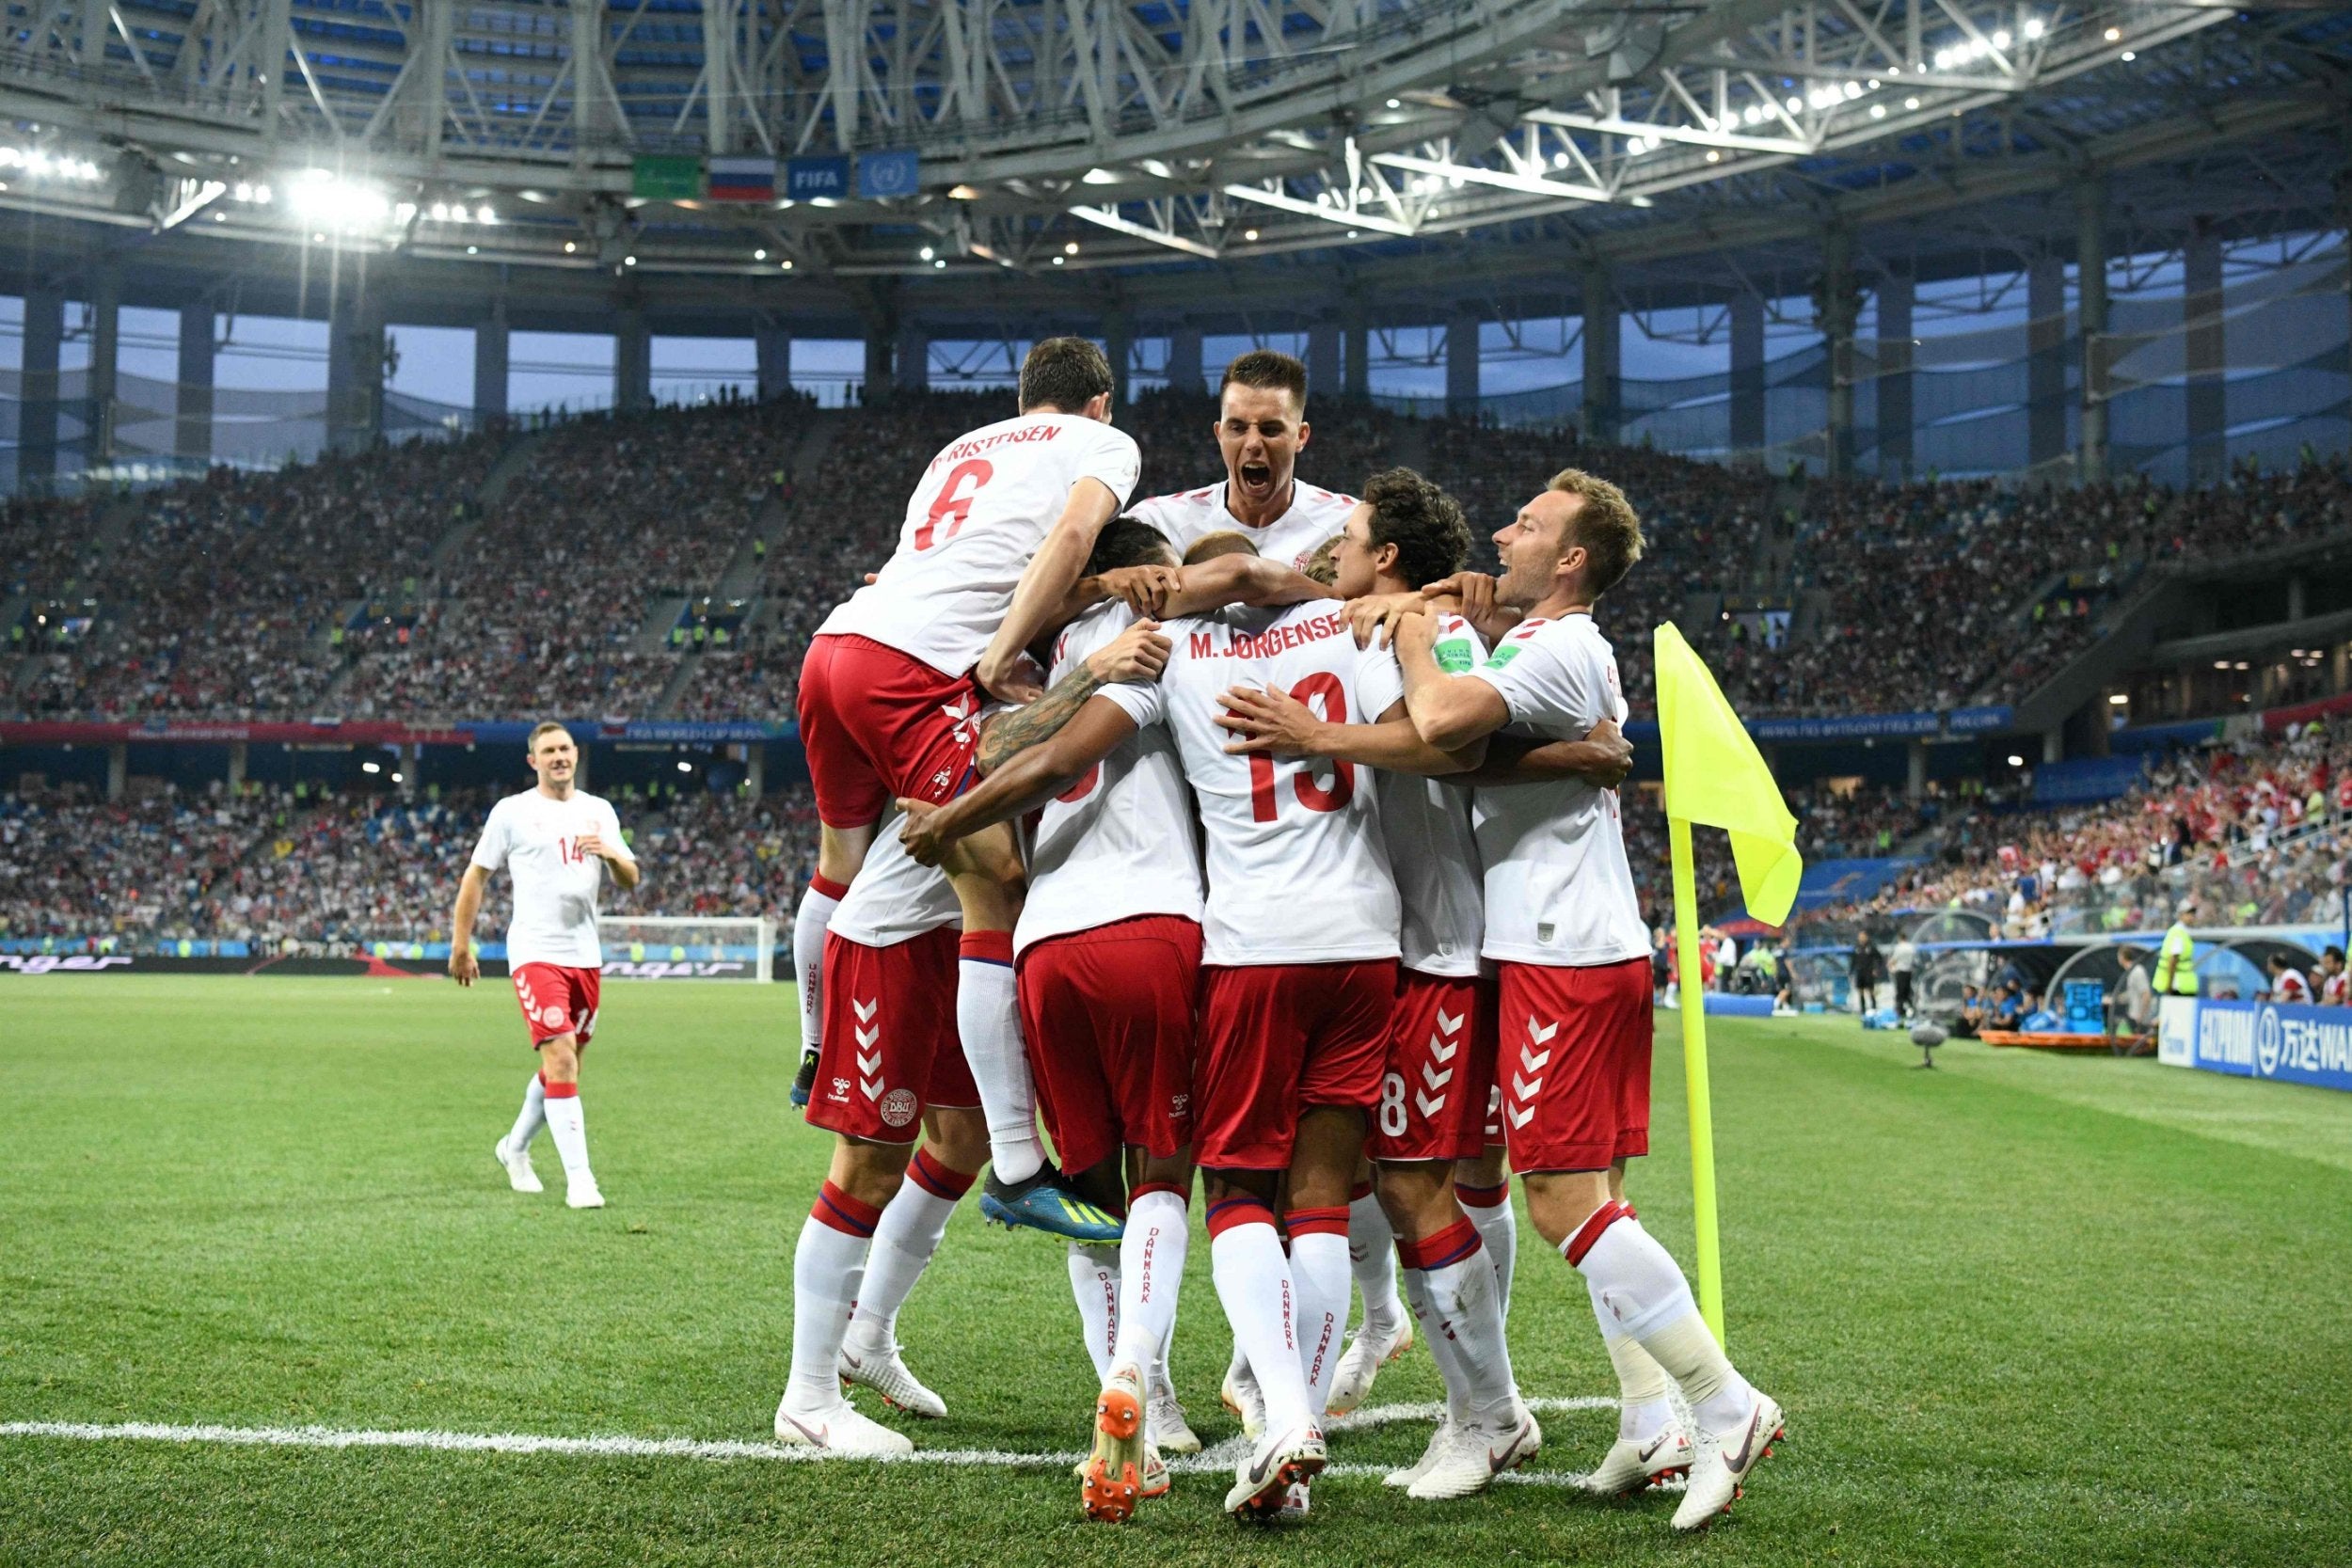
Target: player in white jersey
{"type": "Point", "coordinates": [891, 1063]}
{"type": "Point", "coordinates": [995, 536]}
{"type": "Point", "coordinates": [557, 842]}
{"type": "Point", "coordinates": [1261, 429]}
{"type": "Point", "coordinates": [1564, 923]}
{"type": "Point", "coordinates": [1300, 948]}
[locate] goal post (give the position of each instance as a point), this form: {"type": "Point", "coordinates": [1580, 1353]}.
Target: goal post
{"type": "Point", "coordinates": [687, 947]}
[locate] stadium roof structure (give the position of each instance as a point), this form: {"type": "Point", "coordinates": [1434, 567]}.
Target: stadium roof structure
{"type": "Point", "coordinates": [1161, 158]}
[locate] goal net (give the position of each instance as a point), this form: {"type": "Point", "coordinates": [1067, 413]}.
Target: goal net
{"type": "Point", "coordinates": [663, 947]}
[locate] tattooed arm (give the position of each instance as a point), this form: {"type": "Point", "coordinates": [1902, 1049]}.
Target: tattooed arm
{"type": "Point", "coordinates": [1138, 654]}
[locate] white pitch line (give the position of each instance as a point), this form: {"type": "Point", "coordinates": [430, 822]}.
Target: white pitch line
{"type": "Point", "coordinates": [1220, 1457]}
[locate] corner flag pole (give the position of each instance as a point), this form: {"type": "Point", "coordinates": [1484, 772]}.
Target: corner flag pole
{"type": "Point", "coordinates": [1694, 1078]}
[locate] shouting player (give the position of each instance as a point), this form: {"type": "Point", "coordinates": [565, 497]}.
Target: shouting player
{"type": "Point", "coordinates": [558, 842]}
{"type": "Point", "coordinates": [1261, 429]}
{"type": "Point", "coordinates": [1565, 924]}
{"type": "Point", "coordinates": [997, 534]}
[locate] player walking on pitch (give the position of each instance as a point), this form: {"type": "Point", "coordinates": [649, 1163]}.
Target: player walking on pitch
{"type": "Point", "coordinates": [557, 842]}
{"type": "Point", "coordinates": [1564, 924]}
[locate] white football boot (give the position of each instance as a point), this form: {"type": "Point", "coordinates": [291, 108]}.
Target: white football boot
{"type": "Point", "coordinates": [1478, 1453]}
{"type": "Point", "coordinates": [1264, 1477]}
{"type": "Point", "coordinates": [516, 1163]}
{"type": "Point", "coordinates": [1439, 1441]}
{"type": "Point", "coordinates": [582, 1194]}
{"type": "Point", "coordinates": [1367, 1352]}
{"type": "Point", "coordinates": [1629, 1467]}
{"type": "Point", "coordinates": [1171, 1433]}
{"type": "Point", "coordinates": [1242, 1396]}
{"type": "Point", "coordinates": [1112, 1480]}
{"type": "Point", "coordinates": [839, 1433]}
{"type": "Point", "coordinates": [884, 1371]}
{"type": "Point", "coordinates": [1719, 1475]}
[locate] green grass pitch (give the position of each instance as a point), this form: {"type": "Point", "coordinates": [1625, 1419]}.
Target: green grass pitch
{"type": "Point", "coordinates": [2021, 1309]}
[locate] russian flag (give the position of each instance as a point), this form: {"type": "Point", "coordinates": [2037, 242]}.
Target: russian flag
{"type": "Point", "coordinates": [752, 179]}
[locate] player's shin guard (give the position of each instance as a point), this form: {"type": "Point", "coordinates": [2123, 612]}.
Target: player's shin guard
{"type": "Point", "coordinates": [1490, 1209]}
{"type": "Point", "coordinates": [1095, 1284]}
{"type": "Point", "coordinates": [1639, 1292]}
{"type": "Point", "coordinates": [905, 1238]}
{"type": "Point", "coordinates": [1319, 1271]}
{"type": "Point", "coordinates": [827, 1268]}
{"type": "Point", "coordinates": [1372, 1257]}
{"type": "Point", "coordinates": [534, 1116]}
{"type": "Point", "coordinates": [1253, 1283]}
{"type": "Point", "coordinates": [988, 1018]}
{"type": "Point", "coordinates": [1465, 1309]}
{"type": "Point", "coordinates": [569, 1129]}
{"type": "Point", "coordinates": [1151, 1269]}
{"type": "Point", "coordinates": [822, 896]}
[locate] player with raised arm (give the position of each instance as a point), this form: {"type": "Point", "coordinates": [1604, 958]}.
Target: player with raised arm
{"type": "Point", "coordinates": [1300, 948]}
{"type": "Point", "coordinates": [557, 842]}
{"type": "Point", "coordinates": [1564, 923]}
{"type": "Point", "coordinates": [996, 535]}
{"type": "Point", "coordinates": [1261, 429]}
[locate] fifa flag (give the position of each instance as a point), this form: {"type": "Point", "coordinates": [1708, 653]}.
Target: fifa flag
{"type": "Point", "coordinates": [1714, 775]}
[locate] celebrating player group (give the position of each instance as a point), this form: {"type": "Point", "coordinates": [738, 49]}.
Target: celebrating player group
{"type": "Point", "coordinates": [1260, 849]}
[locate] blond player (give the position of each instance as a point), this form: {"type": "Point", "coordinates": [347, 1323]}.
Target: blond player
{"type": "Point", "coordinates": [557, 842]}
{"type": "Point", "coordinates": [1261, 429]}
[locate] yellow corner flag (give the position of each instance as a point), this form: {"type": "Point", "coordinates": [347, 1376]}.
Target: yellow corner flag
{"type": "Point", "coordinates": [1715, 775]}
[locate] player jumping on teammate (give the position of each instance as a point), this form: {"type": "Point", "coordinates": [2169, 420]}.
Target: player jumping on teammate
{"type": "Point", "coordinates": [558, 842]}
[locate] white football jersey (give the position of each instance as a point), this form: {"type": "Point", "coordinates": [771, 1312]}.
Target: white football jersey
{"type": "Point", "coordinates": [893, 897]}
{"type": "Point", "coordinates": [1293, 538]}
{"type": "Point", "coordinates": [536, 838]}
{"type": "Point", "coordinates": [1559, 891]}
{"type": "Point", "coordinates": [1119, 842]}
{"type": "Point", "coordinates": [1297, 870]}
{"type": "Point", "coordinates": [984, 506]}
{"type": "Point", "coordinates": [1426, 822]}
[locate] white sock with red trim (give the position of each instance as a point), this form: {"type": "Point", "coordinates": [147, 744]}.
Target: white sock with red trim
{"type": "Point", "coordinates": [1458, 1286]}
{"type": "Point", "coordinates": [905, 1238]}
{"type": "Point", "coordinates": [1094, 1285]}
{"type": "Point", "coordinates": [1319, 1274]}
{"type": "Point", "coordinates": [827, 1267]}
{"type": "Point", "coordinates": [988, 1017]}
{"type": "Point", "coordinates": [1253, 1283]}
{"type": "Point", "coordinates": [1490, 1209]}
{"type": "Point", "coordinates": [1371, 1257]}
{"type": "Point", "coordinates": [570, 1131]}
{"type": "Point", "coordinates": [817, 901]}
{"type": "Point", "coordinates": [1638, 1290]}
{"type": "Point", "coordinates": [534, 1116]}
{"type": "Point", "coordinates": [1442, 1349]}
{"type": "Point", "coordinates": [1151, 1253]}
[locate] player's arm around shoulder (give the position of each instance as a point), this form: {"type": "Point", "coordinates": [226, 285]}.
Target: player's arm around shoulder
{"type": "Point", "coordinates": [1449, 712]}
{"type": "Point", "coordinates": [1138, 654]}
{"type": "Point", "coordinates": [1026, 783]}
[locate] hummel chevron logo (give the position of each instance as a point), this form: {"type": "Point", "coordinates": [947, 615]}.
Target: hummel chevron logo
{"type": "Point", "coordinates": [1449, 1025]}
{"type": "Point", "coordinates": [1435, 1079]}
{"type": "Point", "coordinates": [1523, 1088]}
{"type": "Point", "coordinates": [864, 1010]}
{"type": "Point", "coordinates": [1537, 1034]}
{"type": "Point", "coordinates": [1442, 1051]}
{"type": "Point", "coordinates": [869, 1064]}
{"type": "Point", "coordinates": [872, 1087]}
{"type": "Point", "coordinates": [1534, 1061]}
{"type": "Point", "coordinates": [1428, 1107]}
{"type": "Point", "coordinates": [867, 1036]}
{"type": "Point", "coordinates": [1521, 1114]}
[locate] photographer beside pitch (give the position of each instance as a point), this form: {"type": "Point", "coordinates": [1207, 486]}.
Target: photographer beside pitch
{"type": "Point", "coordinates": [1565, 925]}
{"type": "Point", "coordinates": [557, 841]}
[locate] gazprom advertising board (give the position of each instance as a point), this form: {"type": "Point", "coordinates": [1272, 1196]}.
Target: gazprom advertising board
{"type": "Point", "coordinates": [2263, 1040]}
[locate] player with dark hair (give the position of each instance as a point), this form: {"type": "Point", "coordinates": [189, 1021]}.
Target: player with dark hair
{"type": "Point", "coordinates": [1261, 429]}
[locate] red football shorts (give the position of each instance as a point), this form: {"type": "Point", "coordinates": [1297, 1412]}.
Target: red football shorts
{"type": "Point", "coordinates": [891, 1047]}
{"type": "Point", "coordinates": [1440, 1069]}
{"type": "Point", "coordinates": [1574, 1064]}
{"type": "Point", "coordinates": [557, 1000]}
{"type": "Point", "coordinates": [1108, 1016]}
{"type": "Point", "coordinates": [1276, 1040]}
{"type": "Point", "coordinates": [880, 725]}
